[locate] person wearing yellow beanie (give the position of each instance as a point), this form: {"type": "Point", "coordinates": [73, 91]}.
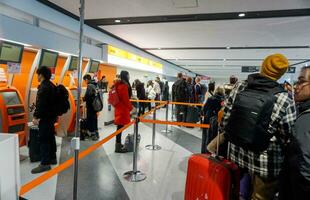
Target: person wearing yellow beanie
{"type": "Point", "coordinates": [274, 66]}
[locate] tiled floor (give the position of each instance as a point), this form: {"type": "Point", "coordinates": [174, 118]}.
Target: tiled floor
{"type": "Point", "coordinates": [101, 172]}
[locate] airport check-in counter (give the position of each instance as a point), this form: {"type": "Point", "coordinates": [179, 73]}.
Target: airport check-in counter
{"type": "Point", "coordinates": [13, 118]}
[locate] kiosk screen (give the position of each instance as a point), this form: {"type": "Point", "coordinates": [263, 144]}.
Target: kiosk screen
{"type": "Point", "coordinates": [10, 98]}
{"type": "Point", "coordinates": [48, 58]}
{"type": "Point", "coordinates": [94, 66]}
{"type": "Point", "coordinates": [73, 63]}
{"type": "Point", "coordinates": [10, 52]}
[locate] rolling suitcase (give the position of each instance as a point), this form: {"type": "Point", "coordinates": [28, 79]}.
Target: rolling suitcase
{"type": "Point", "coordinates": [212, 177]}
{"type": "Point", "coordinates": [34, 144]}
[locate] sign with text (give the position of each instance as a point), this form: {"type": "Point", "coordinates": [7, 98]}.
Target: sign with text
{"type": "Point", "coordinates": [14, 68]}
{"type": "Point", "coordinates": [250, 69]}
{"type": "Point", "coordinates": [291, 70]}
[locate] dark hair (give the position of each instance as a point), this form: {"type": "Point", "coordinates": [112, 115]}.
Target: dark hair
{"type": "Point", "coordinates": [87, 77]}
{"type": "Point", "coordinates": [124, 78]}
{"type": "Point", "coordinates": [180, 75]}
{"type": "Point", "coordinates": [211, 86]}
{"type": "Point", "coordinates": [45, 72]}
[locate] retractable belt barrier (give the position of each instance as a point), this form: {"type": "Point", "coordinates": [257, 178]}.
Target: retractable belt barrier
{"type": "Point", "coordinates": [134, 175]}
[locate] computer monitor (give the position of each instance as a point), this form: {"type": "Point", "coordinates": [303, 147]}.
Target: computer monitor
{"type": "Point", "coordinates": [10, 52]}
{"type": "Point", "coordinates": [48, 59]}
{"type": "Point", "coordinates": [73, 63]}
{"type": "Point", "coordinates": [10, 98]}
{"type": "Point", "coordinates": [94, 66]}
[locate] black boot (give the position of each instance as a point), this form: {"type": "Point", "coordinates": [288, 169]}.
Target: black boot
{"type": "Point", "coordinates": [119, 148]}
{"type": "Point", "coordinates": [40, 169]}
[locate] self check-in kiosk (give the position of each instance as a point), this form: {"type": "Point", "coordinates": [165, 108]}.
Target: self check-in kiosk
{"type": "Point", "coordinates": [13, 118]}
{"type": "Point", "coordinates": [67, 121]}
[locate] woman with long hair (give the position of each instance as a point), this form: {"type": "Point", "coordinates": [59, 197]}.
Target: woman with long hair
{"type": "Point", "coordinates": [123, 108]}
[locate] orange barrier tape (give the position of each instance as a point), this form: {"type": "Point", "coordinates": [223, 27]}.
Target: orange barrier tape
{"type": "Point", "coordinates": [37, 181]}
{"type": "Point", "coordinates": [169, 102]}
{"type": "Point", "coordinates": [174, 123]}
{"type": "Point", "coordinates": [149, 112]}
{"type": "Point", "coordinates": [147, 101]}
{"type": "Point", "coordinates": [186, 104]}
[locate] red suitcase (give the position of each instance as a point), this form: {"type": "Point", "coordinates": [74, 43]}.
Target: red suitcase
{"type": "Point", "coordinates": [211, 178]}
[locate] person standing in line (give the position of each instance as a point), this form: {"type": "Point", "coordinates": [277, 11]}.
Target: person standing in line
{"type": "Point", "coordinates": [123, 108]}
{"type": "Point", "coordinates": [295, 174]}
{"type": "Point", "coordinates": [150, 92]}
{"type": "Point", "coordinates": [197, 91]}
{"type": "Point", "coordinates": [157, 89]}
{"type": "Point", "coordinates": [45, 117]}
{"type": "Point", "coordinates": [273, 119]}
{"type": "Point", "coordinates": [141, 96]}
{"type": "Point", "coordinates": [91, 114]}
{"type": "Point", "coordinates": [179, 92]}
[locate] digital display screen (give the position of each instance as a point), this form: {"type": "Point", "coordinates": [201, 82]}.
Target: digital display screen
{"type": "Point", "coordinates": [48, 59]}
{"type": "Point", "coordinates": [10, 98]}
{"type": "Point", "coordinates": [94, 66]}
{"type": "Point", "coordinates": [10, 52]}
{"type": "Point", "coordinates": [73, 64]}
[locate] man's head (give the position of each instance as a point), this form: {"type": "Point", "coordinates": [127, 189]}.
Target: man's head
{"type": "Point", "coordinates": [180, 75]}
{"type": "Point", "coordinates": [197, 79]}
{"type": "Point", "coordinates": [302, 88]}
{"type": "Point", "coordinates": [274, 66]}
{"type": "Point", "coordinates": [87, 78]}
{"type": "Point", "coordinates": [44, 73]}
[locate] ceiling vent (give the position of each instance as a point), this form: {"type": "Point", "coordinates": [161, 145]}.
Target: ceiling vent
{"type": "Point", "coordinates": [185, 3]}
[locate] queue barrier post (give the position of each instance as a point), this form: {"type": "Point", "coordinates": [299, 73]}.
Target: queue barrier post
{"type": "Point", "coordinates": [167, 112]}
{"type": "Point", "coordinates": [135, 175]}
{"type": "Point", "coordinates": [153, 146]}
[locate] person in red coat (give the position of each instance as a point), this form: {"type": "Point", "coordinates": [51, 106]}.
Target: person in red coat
{"type": "Point", "coordinates": [123, 108]}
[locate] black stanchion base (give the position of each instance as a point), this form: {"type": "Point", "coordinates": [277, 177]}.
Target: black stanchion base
{"type": "Point", "coordinates": [153, 148]}
{"type": "Point", "coordinates": [134, 176]}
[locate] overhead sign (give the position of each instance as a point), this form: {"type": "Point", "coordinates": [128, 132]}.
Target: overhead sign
{"type": "Point", "coordinates": [250, 69]}
{"type": "Point", "coordinates": [121, 57]}
{"type": "Point", "coordinates": [291, 70]}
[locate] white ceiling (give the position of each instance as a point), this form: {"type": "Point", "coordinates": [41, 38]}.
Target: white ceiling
{"type": "Point", "coordinates": [133, 8]}
{"type": "Point", "coordinates": [286, 31]}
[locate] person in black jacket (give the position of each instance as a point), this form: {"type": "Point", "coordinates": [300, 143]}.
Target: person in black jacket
{"type": "Point", "coordinates": [91, 118]}
{"type": "Point", "coordinates": [44, 116]}
{"type": "Point", "coordinates": [140, 95]}
{"type": "Point", "coordinates": [179, 94]}
{"type": "Point", "coordinates": [295, 175]}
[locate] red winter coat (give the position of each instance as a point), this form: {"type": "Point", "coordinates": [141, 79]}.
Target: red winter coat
{"type": "Point", "coordinates": [123, 108]}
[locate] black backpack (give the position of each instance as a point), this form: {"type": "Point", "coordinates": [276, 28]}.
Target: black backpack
{"type": "Point", "coordinates": [97, 102]}
{"type": "Point", "coordinates": [250, 117]}
{"type": "Point", "coordinates": [62, 104]}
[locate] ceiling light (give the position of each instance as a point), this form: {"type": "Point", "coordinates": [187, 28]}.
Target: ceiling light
{"type": "Point", "coordinates": [159, 48]}
{"type": "Point", "coordinates": [227, 47]}
{"type": "Point", "coordinates": [117, 21]}
{"type": "Point", "coordinates": [224, 59]}
{"type": "Point", "coordinates": [241, 14]}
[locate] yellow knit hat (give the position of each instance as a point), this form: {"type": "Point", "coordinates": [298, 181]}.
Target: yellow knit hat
{"type": "Point", "coordinates": [274, 66]}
